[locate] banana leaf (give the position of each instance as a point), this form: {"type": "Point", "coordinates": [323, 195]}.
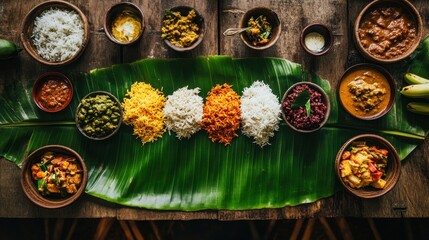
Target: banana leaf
{"type": "Point", "coordinates": [195, 174]}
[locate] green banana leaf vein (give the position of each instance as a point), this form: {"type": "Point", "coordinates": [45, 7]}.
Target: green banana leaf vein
{"type": "Point", "coordinates": [196, 174]}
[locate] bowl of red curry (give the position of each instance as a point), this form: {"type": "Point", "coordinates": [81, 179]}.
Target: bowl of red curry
{"type": "Point", "coordinates": [52, 92]}
{"type": "Point", "coordinates": [388, 31]}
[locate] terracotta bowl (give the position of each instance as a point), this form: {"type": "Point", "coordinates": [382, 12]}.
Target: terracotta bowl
{"type": "Point", "coordinates": [30, 186]}
{"type": "Point", "coordinates": [41, 81]}
{"type": "Point", "coordinates": [117, 9]}
{"type": "Point", "coordinates": [393, 169]}
{"type": "Point", "coordinates": [271, 17]}
{"type": "Point", "coordinates": [117, 104]}
{"type": "Point", "coordinates": [382, 71]}
{"type": "Point", "coordinates": [407, 8]}
{"type": "Point", "coordinates": [324, 31]}
{"type": "Point", "coordinates": [199, 20]}
{"type": "Point", "coordinates": [325, 99]}
{"type": "Point", "coordinates": [27, 30]}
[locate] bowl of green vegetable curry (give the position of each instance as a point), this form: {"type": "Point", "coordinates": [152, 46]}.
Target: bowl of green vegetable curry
{"type": "Point", "coordinates": [263, 28]}
{"type": "Point", "coordinates": [99, 115]}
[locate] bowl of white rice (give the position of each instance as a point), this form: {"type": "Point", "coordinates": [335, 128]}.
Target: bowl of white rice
{"type": "Point", "coordinates": [55, 33]}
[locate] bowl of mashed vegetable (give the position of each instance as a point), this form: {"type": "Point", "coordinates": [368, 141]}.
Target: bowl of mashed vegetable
{"type": "Point", "coordinates": [182, 28]}
{"type": "Point", "coordinates": [263, 28]}
{"type": "Point", "coordinates": [99, 115]}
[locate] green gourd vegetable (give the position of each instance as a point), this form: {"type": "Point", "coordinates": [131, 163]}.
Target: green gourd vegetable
{"type": "Point", "coordinates": [8, 49]}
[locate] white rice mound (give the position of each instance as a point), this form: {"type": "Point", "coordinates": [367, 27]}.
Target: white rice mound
{"type": "Point", "coordinates": [183, 112]}
{"type": "Point", "coordinates": [58, 34]}
{"type": "Point", "coordinates": [260, 113]}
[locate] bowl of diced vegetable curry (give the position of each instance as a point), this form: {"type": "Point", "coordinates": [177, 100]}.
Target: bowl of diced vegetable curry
{"type": "Point", "coordinates": [263, 28]}
{"type": "Point", "coordinates": [368, 166]}
{"type": "Point", "coordinates": [53, 176]}
{"type": "Point", "coordinates": [99, 115]}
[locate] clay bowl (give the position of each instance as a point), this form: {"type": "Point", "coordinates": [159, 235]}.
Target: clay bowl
{"type": "Point", "coordinates": [272, 18]}
{"type": "Point", "coordinates": [325, 100]}
{"type": "Point", "coordinates": [407, 9]}
{"type": "Point", "coordinates": [393, 169]}
{"type": "Point", "coordinates": [29, 185]}
{"type": "Point", "coordinates": [80, 124]}
{"type": "Point", "coordinates": [345, 97]}
{"type": "Point", "coordinates": [40, 84]}
{"type": "Point", "coordinates": [27, 30]}
{"type": "Point", "coordinates": [199, 20]}
{"type": "Point", "coordinates": [117, 9]}
{"type": "Point", "coordinates": [321, 29]}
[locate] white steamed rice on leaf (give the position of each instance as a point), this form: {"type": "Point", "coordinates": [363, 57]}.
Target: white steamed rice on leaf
{"type": "Point", "coordinates": [260, 113]}
{"type": "Point", "coordinates": [183, 112]}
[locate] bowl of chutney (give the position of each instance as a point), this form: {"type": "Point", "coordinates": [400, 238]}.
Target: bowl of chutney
{"type": "Point", "coordinates": [52, 92]}
{"type": "Point", "coordinates": [367, 91]}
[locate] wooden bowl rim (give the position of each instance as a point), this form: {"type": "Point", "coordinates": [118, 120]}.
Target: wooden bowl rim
{"type": "Point", "coordinates": [379, 69]}
{"type": "Point", "coordinates": [200, 22]}
{"type": "Point", "coordinates": [322, 29]}
{"type": "Point", "coordinates": [115, 99]}
{"type": "Point", "coordinates": [46, 76]}
{"type": "Point", "coordinates": [114, 9]}
{"type": "Point", "coordinates": [411, 9]}
{"type": "Point", "coordinates": [393, 171]}
{"type": "Point", "coordinates": [30, 188]}
{"type": "Point", "coordinates": [318, 89]}
{"type": "Point", "coordinates": [29, 21]}
{"type": "Point", "coordinates": [277, 26]}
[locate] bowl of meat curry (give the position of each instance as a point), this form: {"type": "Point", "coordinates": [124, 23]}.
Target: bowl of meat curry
{"type": "Point", "coordinates": [53, 176]}
{"type": "Point", "coordinates": [367, 91]}
{"type": "Point", "coordinates": [388, 31]}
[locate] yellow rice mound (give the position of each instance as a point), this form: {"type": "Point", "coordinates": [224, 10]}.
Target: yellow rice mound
{"type": "Point", "coordinates": [144, 111]}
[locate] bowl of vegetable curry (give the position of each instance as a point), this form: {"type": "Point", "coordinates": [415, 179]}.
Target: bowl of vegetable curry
{"type": "Point", "coordinates": [53, 176]}
{"type": "Point", "coordinates": [264, 28]}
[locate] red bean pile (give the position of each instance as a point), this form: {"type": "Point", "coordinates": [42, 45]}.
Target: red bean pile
{"type": "Point", "coordinates": [298, 116]}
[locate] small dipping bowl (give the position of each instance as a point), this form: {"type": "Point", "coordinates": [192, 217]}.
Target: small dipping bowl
{"type": "Point", "coordinates": [52, 92]}
{"type": "Point", "coordinates": [324, 98]}
{"type": "Point", "coordinates": [369, 73]}
{"type": "Point", "coordinates": [392, 171]}
{"type": "Point", "coordinates": [124, 13]}
{"type": "Point", "coordinates": [98, 135]}
{"type": "Point", "coordinates": [272, 18]}
{"type": "Point", "coordinates": [29, 185]}
{"type": "Point", "coordinates": [199, 20]}
{"type": "Point", "coordinates": [316, 39]}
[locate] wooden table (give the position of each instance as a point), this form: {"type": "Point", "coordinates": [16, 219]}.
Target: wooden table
{"type": "Point", "coordinates": [408, 199]}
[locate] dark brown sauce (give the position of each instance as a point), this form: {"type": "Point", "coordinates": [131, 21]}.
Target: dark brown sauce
{"type": "Point", "coordinates": [53, 94]}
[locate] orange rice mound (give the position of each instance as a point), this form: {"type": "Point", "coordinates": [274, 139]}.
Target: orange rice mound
{"type": "Point", "coordinates": [221, 116]}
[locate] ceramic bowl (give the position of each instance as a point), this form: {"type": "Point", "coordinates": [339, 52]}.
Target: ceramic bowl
{"type": "Point", "coordinates": [80, 122]}
{"type": "Point", "coordinates": [408, 9]}
{"type": "Point", "coordinates": [199, 20]}
{"type": "Point", "coordinates": [393, 169]}
{"type": "Point", "coordinates": [325, 100]}
{"type": "Point", "coordinates": [316, 39]}
{"type": "Point", "coordinates": [43, 82]}
{"type": "Point", "coordinates": [28, 25]}
{"type": "Point", "coordinates": [114, 12]}
{"type": "Point", "coordinates": [345, 96]}
{"type": "Point", "coordinates": [272, 18]}
{"type": "Point", "coordinates": [29, 185]}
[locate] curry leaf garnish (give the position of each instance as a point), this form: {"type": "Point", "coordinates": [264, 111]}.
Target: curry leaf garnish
{"type": "Point", "coordinates": [303, 100]}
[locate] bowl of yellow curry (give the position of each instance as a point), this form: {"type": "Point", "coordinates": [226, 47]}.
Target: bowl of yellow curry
{"type": "Point", "coordinates": [182, 28]}
{"type": "Point", "coordinates": [368, 166]}
{"type": "Point", "coordinates": [124, 23]}
{"type": "Point", "coordinates": [53, 176]}
{"type": "Point", "coordinates": [367, 91]}
{"type": "Point", "coordinates": [262, 26]}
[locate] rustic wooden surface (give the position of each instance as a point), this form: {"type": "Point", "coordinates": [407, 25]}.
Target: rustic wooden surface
{"type": "Point", "coordinates": [407, 199]}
